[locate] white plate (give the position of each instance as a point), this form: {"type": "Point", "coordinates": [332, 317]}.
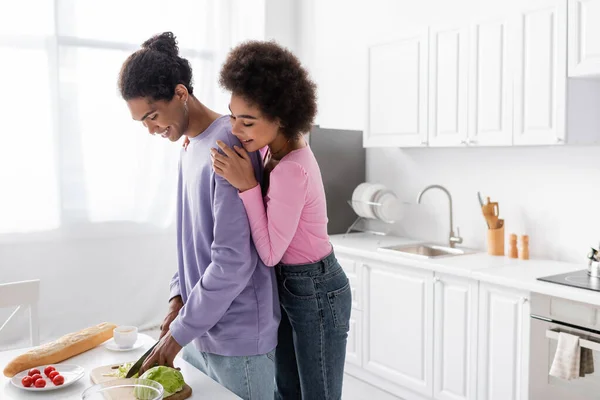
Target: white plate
{"type": "Point", "coordinates": [368, 196]}
{"type": "Point", "coordinates": [111, 345]}
{"type": "Point", "coordinates": [357, 204]}
{"type": "Point", "coordinates": [390, 209]}
{"type": "Point", "coordinates": [72, 374]}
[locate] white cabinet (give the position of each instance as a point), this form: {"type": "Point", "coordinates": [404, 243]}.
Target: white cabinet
{"type": "Point", "coordinates": [455, 338]}
{"type": "Point", "coordinates": [584, 38]}
{"type": "Point", "coordinates": [425, 335]}
{"type": "Point", "coordinates": [354, 344]}
{"type": "Point", "coordinates": [353, 270]}
{"type": "Point", "coordinates": [503, 344]}
{"type": "Point", "coordinates": [397, 93]}
{"type": "Point", "coordinates": [490, 83]}
{"type": "Point", "coordinates": [540, 73]}
{"type": "Point", "coordinates": [448, 90]}
{"type": "Point", "coordinates": [496, 82]}
{"type": "Point", "coordinates": [398, 319]}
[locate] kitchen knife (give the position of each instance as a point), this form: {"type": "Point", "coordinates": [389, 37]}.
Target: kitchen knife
{"type": "Point", "coordinates": [483, 209]}
{"type": "Point", "coordinates": [135, 368]}
{"type": "Point", "coordinates": [480, 198]}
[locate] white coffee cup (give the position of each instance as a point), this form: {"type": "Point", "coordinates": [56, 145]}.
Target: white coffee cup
{"type": "Point", "coordinates": [125, 336]}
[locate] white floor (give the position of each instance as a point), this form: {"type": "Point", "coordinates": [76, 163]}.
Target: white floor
{"type": "Point", "coordinates": [354, 389]}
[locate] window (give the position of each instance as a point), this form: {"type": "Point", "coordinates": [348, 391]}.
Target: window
{"type": "Point", "coordinates": [69, 150]}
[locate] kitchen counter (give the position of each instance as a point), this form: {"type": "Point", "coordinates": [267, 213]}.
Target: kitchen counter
{"type": "Point", "coordinates": [514, 273]}
{"type": "Point", "coordinates": [202, 386]}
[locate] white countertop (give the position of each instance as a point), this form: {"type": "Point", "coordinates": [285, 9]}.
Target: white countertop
{"type": "Point", "coordinates": [514, 273]}
{"type": "Point", "coordinates": [202, 386]}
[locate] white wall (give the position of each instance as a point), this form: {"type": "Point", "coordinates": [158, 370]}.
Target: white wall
{"type": "Point", "coordinates": [548, 193]}
{"type": "Point", "coordinates": [90, 277]}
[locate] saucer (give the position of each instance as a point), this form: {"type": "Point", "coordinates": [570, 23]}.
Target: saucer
{"type": "Point", "coordinates": [111, 345]}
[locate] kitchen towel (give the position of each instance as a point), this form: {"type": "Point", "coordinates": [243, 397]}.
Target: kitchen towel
{"type": "Point", "coordinates": [567, 359]}
{"type": "Point", "coordinates": [586, 362]}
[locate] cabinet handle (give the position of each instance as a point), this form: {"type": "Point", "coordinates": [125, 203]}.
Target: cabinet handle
{"type": "Point", "coordinates": [524, 300]}
{"type": "Point", "coordinates": [436, 279]}
{"type": "Point", "coordinates": [465, 142]}
{"type": "Point", "coordinates": [559, 140]}
{"type": "Point", "coordinates": [472, 141]}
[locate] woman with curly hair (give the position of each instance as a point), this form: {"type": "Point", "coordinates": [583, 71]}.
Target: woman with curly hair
{"type": "Point", "coordinates": [273, 102]}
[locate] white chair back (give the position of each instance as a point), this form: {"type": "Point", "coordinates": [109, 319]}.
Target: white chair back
{"type": "Point", "coordinates": [24, 294]}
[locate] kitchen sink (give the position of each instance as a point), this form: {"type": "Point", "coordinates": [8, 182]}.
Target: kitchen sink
{"type": "Point", "coordinates": [422, 250]}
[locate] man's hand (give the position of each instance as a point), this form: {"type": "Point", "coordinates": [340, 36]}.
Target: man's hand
{"type": "Point", "coordinates": [174, 306]}
{"type": "Point", "coordinates": [163, 354]}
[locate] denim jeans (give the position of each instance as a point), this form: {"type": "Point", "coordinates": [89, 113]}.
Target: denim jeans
{"type": "Point", "coordinates": [249, 377]}
{"type": "Point", "coordinates": [315, 315]}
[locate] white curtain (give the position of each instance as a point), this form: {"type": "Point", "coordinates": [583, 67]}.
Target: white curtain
{"type": "Point", "coordinates": [73, 164]}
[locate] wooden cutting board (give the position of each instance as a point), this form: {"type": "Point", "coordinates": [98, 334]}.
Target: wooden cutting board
{"type": "Point", "coordinates": [97, 376]}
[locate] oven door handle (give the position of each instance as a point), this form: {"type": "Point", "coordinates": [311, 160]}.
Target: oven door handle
{"type": "Point", "coordinates": [587, 344]}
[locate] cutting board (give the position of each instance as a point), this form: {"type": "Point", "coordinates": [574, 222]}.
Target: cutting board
{"type": "Point", "coordinates": [97, 376]}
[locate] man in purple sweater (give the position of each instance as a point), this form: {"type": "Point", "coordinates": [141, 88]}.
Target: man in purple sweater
{"type": "Point", "coordinates": [224, 309]}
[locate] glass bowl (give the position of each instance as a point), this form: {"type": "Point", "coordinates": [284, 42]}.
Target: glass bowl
{"type": "Point", "coordinates": [125, 389]}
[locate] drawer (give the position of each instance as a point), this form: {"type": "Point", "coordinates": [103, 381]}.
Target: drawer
{"type": "Point", "coordinates": [353, 270]}
{"type": "Point", "coordinates": [564, 310]}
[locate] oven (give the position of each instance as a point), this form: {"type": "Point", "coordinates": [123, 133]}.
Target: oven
{"type": "Point", "coordinates": [549, 317]}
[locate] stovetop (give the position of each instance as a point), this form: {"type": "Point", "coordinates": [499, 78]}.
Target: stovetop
{"type": "Point", "coordinates": [579, 279]}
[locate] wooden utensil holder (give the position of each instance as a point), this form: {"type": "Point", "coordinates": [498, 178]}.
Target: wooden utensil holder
{"type": "Point", "coordinates": [495, 241]}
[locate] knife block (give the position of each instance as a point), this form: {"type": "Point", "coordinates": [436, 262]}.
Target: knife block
{"type": "Point", "coordinates": [495, 241]}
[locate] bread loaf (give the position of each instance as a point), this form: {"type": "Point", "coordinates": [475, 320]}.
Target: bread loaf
{"type": "Point", "coordinates": [61, 349]}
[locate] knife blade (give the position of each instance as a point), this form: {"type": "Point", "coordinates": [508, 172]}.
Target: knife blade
{"type": "Point", "coordinates": [135, 368]}
{"type": "Point", "coordinates": [480, 198]}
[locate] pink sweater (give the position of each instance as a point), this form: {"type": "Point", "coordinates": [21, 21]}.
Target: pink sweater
{"type": "Point", "coordinates": [290, 226]}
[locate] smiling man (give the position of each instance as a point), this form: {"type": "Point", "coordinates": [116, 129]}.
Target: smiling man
{"type": "Point", "coordinates": [223, 307]}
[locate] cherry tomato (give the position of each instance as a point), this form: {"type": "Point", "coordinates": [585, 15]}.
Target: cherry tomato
{"type": "Point", "coordinates": [33, 371]}
{"type": "Point", "coordinates": [49, 369]}
{"type": "Point", "coordinates": [40, 383]}
{"type": "Point", "coordinates": [36, 377]}
{"type": "Point", "coordinates": [26, 381]}
{"type": "Point", "coordinates": [52, 374]}
{"type": "Point", "coordinates": [58, 380]}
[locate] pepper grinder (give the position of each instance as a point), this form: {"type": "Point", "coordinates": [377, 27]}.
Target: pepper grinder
{"type": "Point", "coordinates": [513, 252]}
{"type": "Point", "coordinates": [524, 254]}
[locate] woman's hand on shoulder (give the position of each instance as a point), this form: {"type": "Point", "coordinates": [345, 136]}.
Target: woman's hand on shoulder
{"type": "Point", "coordinates": [234, 165]}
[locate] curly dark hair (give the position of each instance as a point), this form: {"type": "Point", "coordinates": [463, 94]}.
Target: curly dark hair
{"type": "Point", "coordinates": [272, 78]}
{"type": "Point", "coordinates": [154, 70]}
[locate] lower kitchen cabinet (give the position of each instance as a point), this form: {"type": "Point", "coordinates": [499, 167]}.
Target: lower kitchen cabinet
{"type": "Point", "coordinates": [424, 335]}
{"type": "Point", "coordinates": [503, 344]}
{"type": "Point", "coordinates": [398, 325]}
{"type": "Point", "coordinates": [455, 338]}
{"type": "Point", "coordinates": [354, 345]}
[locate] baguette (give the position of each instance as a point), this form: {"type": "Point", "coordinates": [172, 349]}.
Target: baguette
{"type": "Point", "coordinates": [61, 349]}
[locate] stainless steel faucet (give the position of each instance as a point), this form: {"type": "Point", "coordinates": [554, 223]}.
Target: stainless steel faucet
{"type": "Point", "coordinates": [452, 239]}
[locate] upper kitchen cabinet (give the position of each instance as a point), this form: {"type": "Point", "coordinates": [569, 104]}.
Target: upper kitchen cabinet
{"type": "Point", "coordinates": [584, 38]}
{"type": "Point", "coordinates": [448, 90]}
{"type": "Point", "coordinates": [500, 81]}
{"type": "Point", "coordinates": [397, 93]}
{"type": "Point", "coordinates": [549, 108]}
{"type": "Point", "coordinates": [540, 77]}
{"type": "Point", "coordinates": [490, 83]}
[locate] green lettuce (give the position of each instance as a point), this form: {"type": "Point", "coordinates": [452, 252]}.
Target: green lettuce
{"type": "Point", "coordinates": [170, 379]}
{"type": "Point", "coordinates": [122, 371]}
